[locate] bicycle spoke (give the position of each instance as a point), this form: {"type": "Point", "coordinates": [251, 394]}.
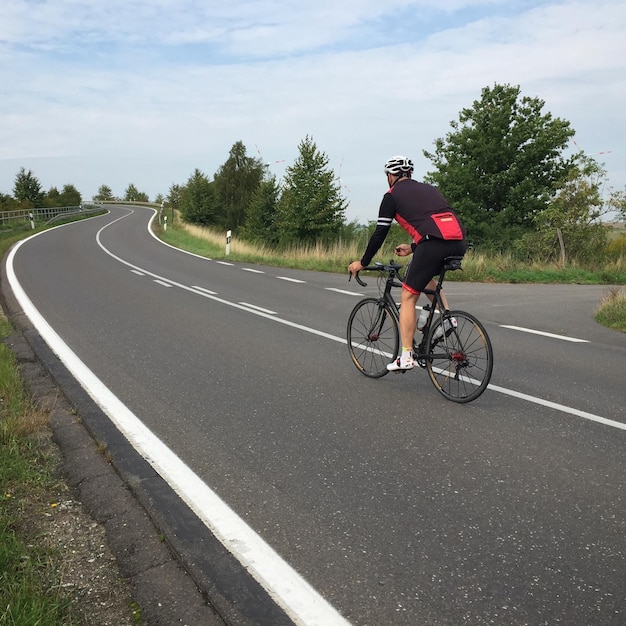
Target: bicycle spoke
{"type": "Point", "coordinates": [461, 361]}
{"type": "Point", "coordinates": [372, 337]}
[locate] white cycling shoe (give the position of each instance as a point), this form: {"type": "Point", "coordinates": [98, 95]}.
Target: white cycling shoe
{"type": "Point", "coordinates": [400, 365]}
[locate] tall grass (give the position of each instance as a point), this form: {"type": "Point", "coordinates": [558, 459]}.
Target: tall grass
{"type": "Point", "coordinates": [612, 310]}
{"type": "Point", "coordinates": [477, 266]}
{"type": "Point", "coordinates": [334, 257]}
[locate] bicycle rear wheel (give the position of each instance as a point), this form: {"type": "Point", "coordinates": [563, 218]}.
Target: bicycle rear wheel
{"type": "Point", "coordinates": [373, 337]}
{"type": "Point", "coordinates": [460, 360]}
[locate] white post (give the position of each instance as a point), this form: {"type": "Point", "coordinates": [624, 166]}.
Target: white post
{"type": "Point", "coordinates": [165, 224]}
{"type": "Point", "coordinates": [228, 238]}
{"type": "Point", "coordinates": [32, 220]}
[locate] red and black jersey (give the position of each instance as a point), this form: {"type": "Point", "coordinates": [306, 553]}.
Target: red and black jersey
{"type": "Point", "coordinates": [422, 212]}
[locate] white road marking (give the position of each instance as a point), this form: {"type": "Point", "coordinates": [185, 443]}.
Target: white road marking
{"type": "Point", "coordinates": [224, 263]}
{"type": "Point", "coordinates": [212, 293]}
{"type": "Point", "coordinates": [137, 272]}
{"type": "Point", "coordinates": [349, 293]}
{"type": "Point", "coordinates": [291, 280]}
{"type": "Point", "coordinates": [258, 308]}
{"type": "Point", "coordinates": [162, 282]}
{"type": "Point", "coordinates": [249, 269]}
{"type": "Point", "coordinates": [544, 334]}
{"type": "Point", "coordinates": [558, 407]}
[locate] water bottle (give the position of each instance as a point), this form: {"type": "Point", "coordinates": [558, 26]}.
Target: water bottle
{"type": "Point", "coordinates": [423, 318]}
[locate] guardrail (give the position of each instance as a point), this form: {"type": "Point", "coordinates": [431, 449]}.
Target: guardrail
{"type": "Point", "coordinates": [41, 213]}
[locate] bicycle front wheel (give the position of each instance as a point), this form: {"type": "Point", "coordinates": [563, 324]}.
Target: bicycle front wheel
{"type": "Point", "coordinates": [460, 357]}
{"type": "Point", "coordinates": [373, 337]}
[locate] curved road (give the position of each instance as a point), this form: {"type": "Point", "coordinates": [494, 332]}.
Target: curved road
{"type": "Point", "coordinates": [352, 500]}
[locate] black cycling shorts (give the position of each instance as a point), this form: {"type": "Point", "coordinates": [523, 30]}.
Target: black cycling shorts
{"type": "Point", "coordinates": [427, 261]}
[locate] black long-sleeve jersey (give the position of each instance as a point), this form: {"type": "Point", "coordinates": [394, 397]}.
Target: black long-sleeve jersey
{"type": "Point", "coordinates": [422, 212]}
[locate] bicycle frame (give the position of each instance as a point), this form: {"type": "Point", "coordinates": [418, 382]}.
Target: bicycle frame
{"type": "Point", "coordinates": [436, 306]}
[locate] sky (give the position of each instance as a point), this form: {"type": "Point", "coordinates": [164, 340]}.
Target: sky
{"type": "Point", "coordinates": [111, 92]}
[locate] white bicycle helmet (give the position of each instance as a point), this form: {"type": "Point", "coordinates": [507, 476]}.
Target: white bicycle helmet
{"type": "Point", "coordinates": [399, 165]}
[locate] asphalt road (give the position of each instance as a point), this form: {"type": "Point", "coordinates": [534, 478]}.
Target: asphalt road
{"type": "Point", "coordinates": [397, 506]}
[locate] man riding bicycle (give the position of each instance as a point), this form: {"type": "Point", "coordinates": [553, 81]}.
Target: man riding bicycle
{"type": "Point", "coordinates": [435, 230]}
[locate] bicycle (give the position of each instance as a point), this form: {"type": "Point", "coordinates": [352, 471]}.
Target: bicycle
{"type": "Point", "coordinates": [454, 347]}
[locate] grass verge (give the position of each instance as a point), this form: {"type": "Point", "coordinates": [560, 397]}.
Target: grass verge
{"type": "Point", "coordinates": [39, 584]}
{"type": "Point", "coordinates": [611, 311]}
{"type": "Point", "coordinates": [29, 586]}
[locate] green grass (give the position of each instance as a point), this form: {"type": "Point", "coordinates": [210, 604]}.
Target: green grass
{"type": "Point", "coordinates": [29, 589]}
{"type": "Point", "coordinates": [611, 311]}
{"type": "Point", "coordinates": [477, 267]}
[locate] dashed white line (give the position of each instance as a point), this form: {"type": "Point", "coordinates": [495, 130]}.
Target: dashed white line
{"type": "Point", "coordinates": [249, 269]}
{"type": "Point", "coordinates": [162, 282]}
{"type": "Point", "coordinates": [349, 293]}
{"type": "Point", "coordinates": [291, 280]}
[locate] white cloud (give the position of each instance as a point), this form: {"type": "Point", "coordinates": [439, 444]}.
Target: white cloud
{"type": "Point", "coordinates": [127, 98]}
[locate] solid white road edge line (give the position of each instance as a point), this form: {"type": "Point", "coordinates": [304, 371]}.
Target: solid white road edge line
{"type": "Point", "coordinates": [544, 334]}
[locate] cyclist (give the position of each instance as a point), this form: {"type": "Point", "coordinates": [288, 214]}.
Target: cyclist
{"type": "Point", "coordinates": [436, 232]}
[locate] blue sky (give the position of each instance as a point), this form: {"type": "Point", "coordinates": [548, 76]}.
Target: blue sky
{"type": "Point", "coordinates": [144, 92]}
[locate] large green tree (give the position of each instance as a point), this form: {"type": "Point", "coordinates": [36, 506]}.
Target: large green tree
{"type": "Point", "coordinates": [311, 207]}
{"type": "Point", "coordinates": [235, 183]}
{"type": "Point", "coordinates": [104, 193]}
{"type": "Point", "coordinates": [261, 215]}
{"type": "Point", "coordinates": [27, 190]}
{"type": "Point", "coordinates": [197, 201]}
{"type": "Point", "coordinates": [132, 194]}
{"type": "Point", "coordinates": [70, 196]}
{"type": "Point", "coordinates": [501, 163]}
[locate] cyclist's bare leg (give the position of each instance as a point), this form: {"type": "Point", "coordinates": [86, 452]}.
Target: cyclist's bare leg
{"type": "Point", "coordinates": [408, 318]}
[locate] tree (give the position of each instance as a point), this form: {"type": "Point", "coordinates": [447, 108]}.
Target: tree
{"type": "Point", "coordinates": [197, 200]}
{"type": "Point", "coordinates": [132, 194]}
{"type": "Point", "coordinates": [53, 197]}
{"type": "Point", "coordinates": [311, 207]}
{"type": "Point", "coordinates": [501, 163]}
{"type": "Point", "coordinates": [104, 194]}
{"type": "Point", "coordinates": [261, 214]}
{"type": "Point", "coordinates": [27, 190]}
{"type": "Point", "coordinates": [235, 183]}
{"type": "Point", "coordinates": [70, 196]}
{"type": "Point", "coordinates": [174, 195]}
{"type": "Point", "coordinates": [617, 203]}
{"type": "Point", "coordinates": [570, 226]}
{"type": "Point", "coordinates": [7, 202]}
